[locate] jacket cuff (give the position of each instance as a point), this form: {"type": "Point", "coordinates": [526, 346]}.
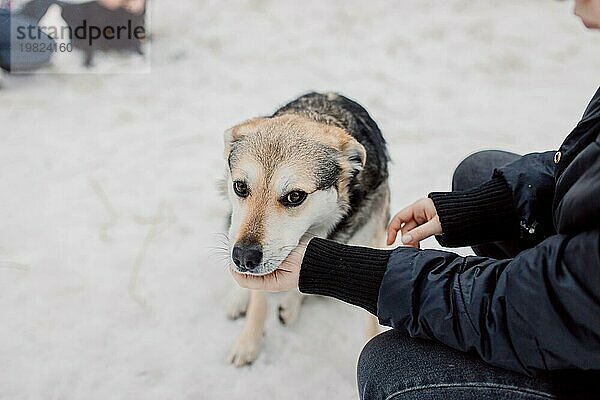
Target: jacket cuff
{"type": "Point", "coordinates": [349, 273]}
{"type": "Point", "coordinates": [480, 215]}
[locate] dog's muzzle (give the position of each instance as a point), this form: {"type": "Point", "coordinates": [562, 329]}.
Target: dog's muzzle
{"type": "Point", "coordinates": [247, 256]}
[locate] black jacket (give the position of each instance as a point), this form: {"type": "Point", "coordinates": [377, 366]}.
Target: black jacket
{"type": "Point", "coordinates": [537, 311]}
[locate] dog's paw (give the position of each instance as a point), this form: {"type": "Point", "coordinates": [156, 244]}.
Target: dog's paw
{"type": "Point", "coordinates": [238, 304]}
{"type": "Point", "coordinates": [245, 351]}
{"type": "Point", "coordinates": [289, 308]}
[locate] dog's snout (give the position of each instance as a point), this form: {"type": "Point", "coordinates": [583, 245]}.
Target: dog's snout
{"type": "Point", "coordinates": [247, 256]}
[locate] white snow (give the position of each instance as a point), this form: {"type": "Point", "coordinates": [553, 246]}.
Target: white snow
{"type": "Point", "coordinates": [108, 207]}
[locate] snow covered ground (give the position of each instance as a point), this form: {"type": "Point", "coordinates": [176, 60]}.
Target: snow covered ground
{"type": "Point", "coordinates": [109, 288]}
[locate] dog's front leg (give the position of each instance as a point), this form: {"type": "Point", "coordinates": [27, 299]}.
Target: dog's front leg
{"type": "Point", "coordinates": [238, 303]}
{"type": "Point", "coordinates": [247, 346]}
{"type": "Point", "coordinates": [289, 307]}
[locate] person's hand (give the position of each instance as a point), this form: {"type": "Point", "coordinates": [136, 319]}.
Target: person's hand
{"type": "Point", "coordinates": [135, 6]}
{"type": "Point", "coordinates": [416, 222]}
{"type": "Point", "coordinates": [285, 277]}
{"type": "Point", "coordinates": [110, 4]}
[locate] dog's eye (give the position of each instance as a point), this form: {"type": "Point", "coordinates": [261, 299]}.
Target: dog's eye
{"type": "Point", "coordinates": [241, 188]}
{"type": "Point", "coordinates": [293, 199]}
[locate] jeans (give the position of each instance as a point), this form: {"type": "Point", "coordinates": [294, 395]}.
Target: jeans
{"type": "Point", "coordinates": [12, 56]}
{"type": "Point", "coordinates": [394, 366]}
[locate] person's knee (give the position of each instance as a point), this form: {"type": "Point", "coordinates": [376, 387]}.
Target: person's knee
{"type": "Point", "coordinates": [466, 174]}
{"type": "Point", "coordinates": [368, 366]}
{"type": "Point", "coordinates": [393, 362]}
{"type": "Point", "coordinates": [381, 366]}
{"type": "Point", "coordinates": [479, 168]}
{"type": "Point", "coordinates": [370, 355]}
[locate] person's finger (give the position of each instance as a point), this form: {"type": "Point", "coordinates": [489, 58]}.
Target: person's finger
{"type": "Point", "coordinates": [409, 226]}
{"type": "Point", "coordinates": [276, 281]}
{"type": "Point", "coordinates": [240, 279]}
{"type": "Point", "coordinates": [391, 236]}
{"type": "Point", "coordinates": [416, 245]}
{"type": "Point", "coordinates": [135, 6]}
{"type": "Point", "coordinates": [110, 4]}
{"type": "Point", "coordinates": [248, 281]}
{"type": "Point", "coordinates": [392, 229]}
{"type": "Point", "coordinates": [422, 232]}
{"type": "Point", "coordinates": [404, 215]}
{"type": "Point", "coordinates": [421, 214]}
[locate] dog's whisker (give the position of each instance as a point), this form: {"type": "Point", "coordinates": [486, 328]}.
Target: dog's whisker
{"type": "Point", "coordinates": [220, 234]}
{"type": "Point", "coordinates": [217, 248]}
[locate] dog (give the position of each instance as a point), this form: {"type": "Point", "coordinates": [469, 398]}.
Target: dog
{"type": "Point", "coordinates": [317, 166]}
{"type": "Point", "coordinates": [93, 14]}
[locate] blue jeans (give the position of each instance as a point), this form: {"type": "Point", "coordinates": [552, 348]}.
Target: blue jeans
{"type": "Point", "coordinates": [12, 56]}
{"type": "Point", "coordinates": [393, 366]}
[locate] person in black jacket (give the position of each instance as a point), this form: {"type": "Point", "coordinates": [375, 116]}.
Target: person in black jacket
{"type": "Point", "coordinates": [521, 319]}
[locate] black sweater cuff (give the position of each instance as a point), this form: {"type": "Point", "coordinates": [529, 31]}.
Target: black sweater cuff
{"type": "Point", "coordinates": [480, 215]}
{"type": "Point", "coordinates": [349, 273]}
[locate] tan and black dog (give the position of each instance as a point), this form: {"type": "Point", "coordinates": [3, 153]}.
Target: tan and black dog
{"type": "Point", "coordinates": [318, 165]}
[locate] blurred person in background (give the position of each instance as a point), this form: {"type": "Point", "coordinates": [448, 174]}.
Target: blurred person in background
{"type": "Point", "coordinates": [29, 15]}
{"type": "Point", "coordinates": [521, 319]}
{"type": "Point", "coordinates": [588, 11]}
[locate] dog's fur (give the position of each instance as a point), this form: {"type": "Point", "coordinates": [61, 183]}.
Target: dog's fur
{"type": "Point", "coordinates": [325, 145]}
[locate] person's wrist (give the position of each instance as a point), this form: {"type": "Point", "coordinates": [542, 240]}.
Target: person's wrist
{"type": "Point", "coordinates": [478, 215]}
{"type": "Point", "coordinates": [352, 274]}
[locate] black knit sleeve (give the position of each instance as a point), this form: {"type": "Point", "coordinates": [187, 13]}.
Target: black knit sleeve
{"type": "Point", "coordinates": [480, 215]}
{"type": "Point", "coordinates": [352, 274]}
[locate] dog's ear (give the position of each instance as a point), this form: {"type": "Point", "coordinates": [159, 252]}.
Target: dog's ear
{"type": "Point", "coordinates": [356, 155]}
{"type": "Point", "coordinates": [228, 140]}
{"type": "Point", "coordinates": [235, 134]}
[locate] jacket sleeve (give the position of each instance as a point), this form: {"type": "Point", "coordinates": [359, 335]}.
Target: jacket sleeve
{"type": "Point", "coordinates": [515, 203]}
{"type": "Point", "coordinates": [532, 183]}
{"type": "Point", "coordinates": [479, 215]}
{"type": "Point", "coordinates": [537, 311]}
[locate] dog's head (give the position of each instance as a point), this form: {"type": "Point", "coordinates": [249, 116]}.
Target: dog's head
{"type": "Point", "coordinates": [286, 176]}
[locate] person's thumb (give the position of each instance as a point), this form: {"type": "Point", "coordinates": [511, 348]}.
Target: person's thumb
{"type": "Point", "coordinates": [421, 232]}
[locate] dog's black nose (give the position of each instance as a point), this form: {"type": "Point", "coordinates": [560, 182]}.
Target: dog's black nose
{"type": "Point", "coordinates": [247, 256]}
